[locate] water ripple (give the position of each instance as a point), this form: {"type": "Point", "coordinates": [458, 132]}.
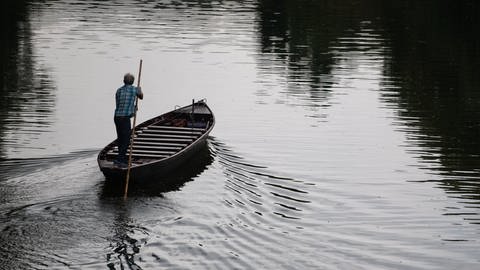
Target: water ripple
{"type": "Point", "coordinates": [257, 190]}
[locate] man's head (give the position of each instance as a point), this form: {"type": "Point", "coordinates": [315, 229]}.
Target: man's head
{"type": "Point", "coordinates": [128, 79]}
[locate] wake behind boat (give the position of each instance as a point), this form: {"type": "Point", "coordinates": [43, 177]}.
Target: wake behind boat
{"type": "Point", "coordinates": [162, 143]}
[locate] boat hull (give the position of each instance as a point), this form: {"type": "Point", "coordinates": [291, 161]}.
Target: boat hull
{"type": "Point", "coordinates": [164, 143]}
{"type": "Point", "coordinates": [152, 171]}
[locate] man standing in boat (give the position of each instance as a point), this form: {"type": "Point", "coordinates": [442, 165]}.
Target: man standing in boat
{"type": "Point", "coordinates": [124, 110]}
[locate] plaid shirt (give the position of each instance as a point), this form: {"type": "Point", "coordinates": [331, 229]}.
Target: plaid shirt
{"type": "Point", "coordinates": [125, 100]}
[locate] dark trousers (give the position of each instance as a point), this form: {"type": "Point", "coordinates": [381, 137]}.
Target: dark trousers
{"type": "Point", "coordinates": [124, 129]}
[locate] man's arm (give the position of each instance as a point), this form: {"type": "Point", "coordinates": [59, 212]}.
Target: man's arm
{"type": "Point", "coordinates": [139, 93]}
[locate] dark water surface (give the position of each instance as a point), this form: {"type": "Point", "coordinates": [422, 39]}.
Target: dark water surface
{"type": "Point", "coordinates": [346, 137]}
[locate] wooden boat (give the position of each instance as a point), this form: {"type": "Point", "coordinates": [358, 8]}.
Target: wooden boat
{"type": "Point", "coordinates": [162, 143]}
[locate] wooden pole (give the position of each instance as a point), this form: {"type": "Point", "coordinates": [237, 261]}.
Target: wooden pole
{"type": "Point", "coordinates": [132, 139]}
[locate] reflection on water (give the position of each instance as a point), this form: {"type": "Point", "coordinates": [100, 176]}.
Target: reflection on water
{"type": "Point", "coordinates": [124, 248]}
{"type": "Point", "coordinates": [302, 43]}
{"type": "Point", "coordinates": [346, 134]}
{"type": "Point", "coordinates": [429, 84]}
{"type": "Point", "coordinates": [27, 96]}
{"type": "Point", "coordinates": [434, 87]}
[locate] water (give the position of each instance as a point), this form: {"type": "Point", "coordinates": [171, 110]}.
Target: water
{"type": "Point", "coordinates": [346, 135]}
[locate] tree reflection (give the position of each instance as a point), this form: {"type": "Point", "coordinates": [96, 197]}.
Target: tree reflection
{"type": "Point", "coordinates": [297, 40]}
{"type": "Point", "coordinates": [435, 59]}
{"type": "Point", "coordinates": [27, 96]}
{"type": "Point", "coordinates": [432, 53]}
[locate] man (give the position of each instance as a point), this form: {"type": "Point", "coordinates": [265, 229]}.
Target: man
{"type": "Point", "coordinates": [124, 110]}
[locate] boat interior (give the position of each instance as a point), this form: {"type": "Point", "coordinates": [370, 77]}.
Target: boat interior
{"type": "Point", "coordinates": [166, 135]}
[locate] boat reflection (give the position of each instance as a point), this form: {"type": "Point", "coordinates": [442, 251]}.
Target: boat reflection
{"type": "Point", "coordinates": [162, 183]}
{"type": "Point", "coordinates": [123, 247]}
{"type": "Point", "coordinates": [128, 237]}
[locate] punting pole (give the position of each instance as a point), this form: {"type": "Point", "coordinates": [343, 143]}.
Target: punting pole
{"type": "Point", "coordinates": [133, 133]}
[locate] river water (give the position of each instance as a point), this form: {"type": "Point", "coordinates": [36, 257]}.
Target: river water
{"type": "Point", "coordinates": [346, 135]}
